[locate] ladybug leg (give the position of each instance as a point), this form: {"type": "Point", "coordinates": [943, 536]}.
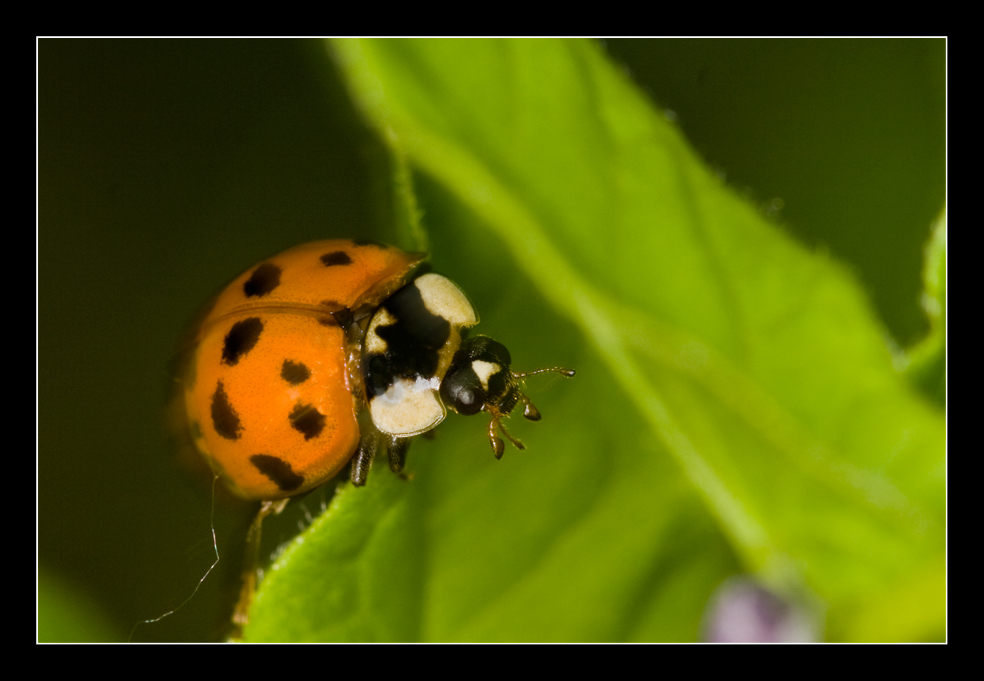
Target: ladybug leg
{"type": "Point", "coordinates": [372, 439]}
{"type": "Point", "coordinates": [530, 412]}
{"type": "Point", "coordinates": [516, 443]}
{"type": "Point", "coordinates": [498, 444]}
{"type": "Point", "coordinates": [240, 616]}
{"type": "Point", "coordinates": [362, 461]}
{"type": "Point", "coordinates": [397, 448]}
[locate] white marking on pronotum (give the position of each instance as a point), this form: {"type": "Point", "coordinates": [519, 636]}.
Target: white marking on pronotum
{"type": "Point", "coordinates": [408, 407]}
{"type": "Point", "coordinates": [444, 299]}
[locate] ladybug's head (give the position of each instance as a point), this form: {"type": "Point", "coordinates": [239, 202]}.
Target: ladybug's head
{"type": "Point", "coordinates": [479, 379]}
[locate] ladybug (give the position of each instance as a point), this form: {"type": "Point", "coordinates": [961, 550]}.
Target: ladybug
{"type": "Point", "coordinates": [331, 352]}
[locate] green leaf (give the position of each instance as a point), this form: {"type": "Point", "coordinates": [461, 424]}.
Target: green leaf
{"type": "Point", "coordinates": [926, 362]}
{"type": "Point", "coordinates": [735, 408]}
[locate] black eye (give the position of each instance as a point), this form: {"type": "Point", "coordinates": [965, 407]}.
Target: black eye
{"type": "Point", "coordinates": [462, 391]}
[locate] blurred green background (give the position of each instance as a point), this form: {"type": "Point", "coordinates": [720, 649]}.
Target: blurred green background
{"type": "Point", "coordinates": [168, 166]}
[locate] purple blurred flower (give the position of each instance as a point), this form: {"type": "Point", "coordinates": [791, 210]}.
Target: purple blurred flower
{"type": "Point", "coordinates": [744, 611]}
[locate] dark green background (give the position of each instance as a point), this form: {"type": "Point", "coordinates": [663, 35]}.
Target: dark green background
{"type": "Point", "coordinates": [168, 166]}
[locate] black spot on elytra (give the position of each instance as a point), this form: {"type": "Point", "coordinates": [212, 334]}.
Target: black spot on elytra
{"type": "Point", "coordinates": [265, 278]}
{"type": "Point", "coordinates": [307, 421]}
{"type": "Point", "coordinates": [225, 420]}
{"type": "Point", "coordinates": [412, 342]}
{"type": "Point", "coordinates": [241, 339]}
{"type": "Point", "coordinates": [294, 373]}
{"type": "Point", "coordinates": [278, 470]}
{"type": "Point", "coordinates": [336, 258]}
